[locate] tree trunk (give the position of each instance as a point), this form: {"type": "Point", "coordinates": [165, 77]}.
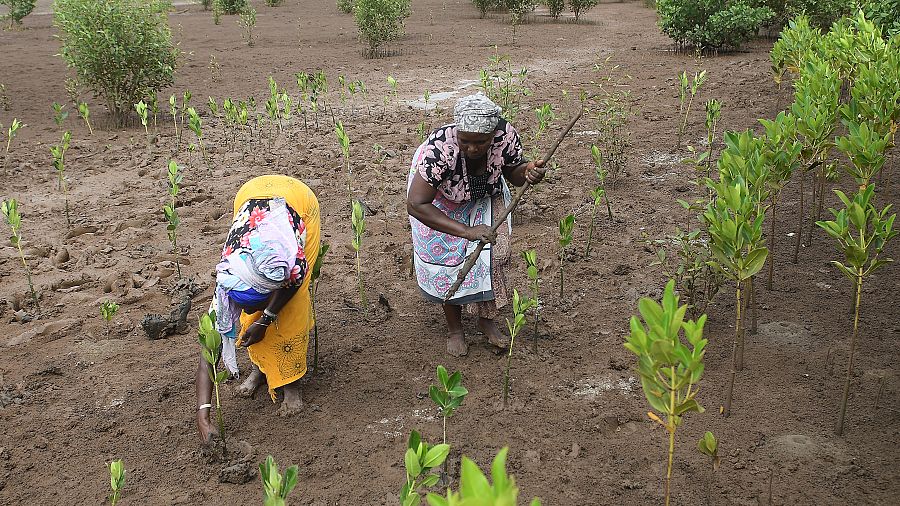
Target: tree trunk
{"type": "Point", "coordinates": [800, 222]}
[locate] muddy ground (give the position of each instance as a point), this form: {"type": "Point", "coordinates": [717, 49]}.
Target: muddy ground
{"type": "Point", "coordinates": [74, 397]}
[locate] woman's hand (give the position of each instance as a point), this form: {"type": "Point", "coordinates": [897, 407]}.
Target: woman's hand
{"type": "Point", "coordinates": [534, 172]}
{"type": "Point", "coordinates": [254, 334]}
{"type": "Point", "coordinates": [481, 233]}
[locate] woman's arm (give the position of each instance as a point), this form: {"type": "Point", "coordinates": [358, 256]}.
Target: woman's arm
{"type": "Point", "coordinates": [257, 331]}
{"type": "Point", "coordinates": [533, 172]}
{"type": "Point", "coordinates": [419, 206]}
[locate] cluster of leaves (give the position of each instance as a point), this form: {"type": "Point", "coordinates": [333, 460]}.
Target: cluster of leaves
{"type": "Point", "coordinates": [380, 21]}
{"type": "Point", "coordinates": [276, 486]}
{"type": "Point", "coordinates": [476, 490]}
{"type": "Point", "coordinates": [518, 9]}
{"type": "Point", "coordinates": [579, 7]}
{"type": "Point", "coordinates": [121, 49]}
{"type": "Point", "coordinates": [211, 349]}
{"type": "Point", "coordinates": [885, 14]}
{"type": "Point", "coordinates": [345, 6]}
{"type": "Point", "coordinates": [420, 459]}
{"type": "Point", "coordinates": [116, 480]}
{"type": "Point", "coordinates": [10, 210]}
{"type": "Point", "coordinates": [18, 9]}
{"type": "Point", "coordinates": [711, 24]}
{"type": "Point", "coordinates": [669, 367]}
{"type": "Point", "coordinates": [504, 86]}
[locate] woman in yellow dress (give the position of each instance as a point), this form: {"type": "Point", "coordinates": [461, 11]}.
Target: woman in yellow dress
{"type": "Point", "coordinates": [262, 298]}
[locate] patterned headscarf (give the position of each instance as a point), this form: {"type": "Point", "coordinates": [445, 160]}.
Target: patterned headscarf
{"type": "Point", "coordinates": [476, 114]}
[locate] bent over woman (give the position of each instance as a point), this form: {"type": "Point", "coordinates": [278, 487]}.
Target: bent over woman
{"type": "Point", "coordinates": [457, 189]}
{"type": "Point", "coordinates": [262, 291]}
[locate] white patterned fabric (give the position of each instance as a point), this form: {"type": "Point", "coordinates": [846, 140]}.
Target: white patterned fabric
{"type": "Point", "coordinates": [476, 114]}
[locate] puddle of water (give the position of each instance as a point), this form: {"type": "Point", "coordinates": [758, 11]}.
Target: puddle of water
{"type": "Point", "coordinates": [440, 96]}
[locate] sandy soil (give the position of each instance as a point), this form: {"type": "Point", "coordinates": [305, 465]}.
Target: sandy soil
{"type": "Point", "coordinates": [73, 397]}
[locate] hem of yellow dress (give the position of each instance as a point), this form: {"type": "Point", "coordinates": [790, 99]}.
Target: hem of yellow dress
{"type": "Point", "coordinates": [278, 383]}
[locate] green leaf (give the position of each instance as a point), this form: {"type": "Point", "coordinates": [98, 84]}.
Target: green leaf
{"type": "Point", "coordinates": [498, 470]}
{"type": "Point", "coordinates": [430, 481]}
{"type": "Point", "coordinates": [442, 375]}
{"type": "Point", "coordinates": [414, 439]}
{"type": "Point", "coordinates": [472, 482]}
{"type": "Point", "coordinates": [436, 456]}
{"type": "Point", "coordinates": [688, 406]}
{"type": "Point", "coordinates": [413, 467]}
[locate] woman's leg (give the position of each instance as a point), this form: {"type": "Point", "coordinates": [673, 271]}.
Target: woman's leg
{"type": "Point", "coordinates": [489, 311]}
{"type": "Point", "coordinates": [293, 402]}
{"type": "Point", "coordinates": [203, 388]}
{"type": "Point", "coordinates": [456, 338]}
{"type": "Point", "coordinates": [252, 383]}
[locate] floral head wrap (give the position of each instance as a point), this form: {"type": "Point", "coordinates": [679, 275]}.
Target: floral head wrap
{"type": "Point", "coordinates": [476, 114]}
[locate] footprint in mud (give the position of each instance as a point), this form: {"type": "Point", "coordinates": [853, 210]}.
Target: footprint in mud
{"type": "Point", "coordinates": [789, 333]}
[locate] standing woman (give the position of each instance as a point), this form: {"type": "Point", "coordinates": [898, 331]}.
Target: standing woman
{"type": "Point", "coordinates": [262, 291]}
{"type": "Point", "coordinates": [456, 190]}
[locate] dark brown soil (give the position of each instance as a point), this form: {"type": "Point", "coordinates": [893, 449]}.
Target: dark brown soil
{"type": "Point", "coordinates": [74, 397]}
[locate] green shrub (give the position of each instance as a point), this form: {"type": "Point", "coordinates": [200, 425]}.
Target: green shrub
{"type": "Point", "coordinates": [519, 9]}
{"type": "Point", "coordinates": [121, 49]}
{"type": "Point", "coordinates": [579, 7]}
{"type": "Point", "coordinates": [556, 7]}
{"type": "Point", "coordinates": [345, 6]}
{"type": "Point", "coordinates": [484, 5]}
{"type": "Point", "coordinates": [886, 14]}
{"type": "Point", "coordinates": [380, 21]}
{"type": "Point", "coordinates": [232, 6]}
{"type": "Point", "coordinates": [821, 13]}
{"type": "Point", "coordinates": [18, 9]}
{"type": "Point", "coordinates": [710, 24]}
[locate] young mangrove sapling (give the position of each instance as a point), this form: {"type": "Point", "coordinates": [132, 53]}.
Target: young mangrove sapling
{"type": "Point", "coordinates": [108, 310]}
{"type": "Point", "coordinates": [116, 480]}
{"type": "Point", "coordinates": [59, 115]}
{"type": "Point", "coordinates": [196, 126]}
{"type": "Point", "coordinates": [59, 163]}
{"type": "Point", "coordinates": [709, 446]}
{"type": "Point", "coordinates": [565, 238]}
{"type": "Point", "coordinates": [11, 132]}
{"type": "Point", "coordinates": [171, 212]}
{"type": "Point", "coordinates": [598, 194]}
{"type": "Point", "coordinates": [211, 348]}
{"type": "Point", "coordinates": [275, 486]}
{"type": "Point", "coordinates": [449, 395]}
{"type": "Point", "coordinates": [419, 460]}
{"type": "Point", "coordinates": [521, 305]}
{"type": "Point", "coordinates": [669, 368]}
{"type": "Point", "coordinates": [313, 288]}
{"type": "Point", "coordinates": [141, 109]}
{"type": "Point", "coordinates": [10, 209]}
{"type": "Point", "coordinates": [531, 270]}
{"type": "Point", "coordinates": [358, 223]}
{"type": "Point", "coordinates": [687, 92]}
{"type": "Point", "coordinates": [85, 112]}
{"type": "Point", "coordinates": [861, 232]}
{"type": "Point", "coordinates": [475, 490]}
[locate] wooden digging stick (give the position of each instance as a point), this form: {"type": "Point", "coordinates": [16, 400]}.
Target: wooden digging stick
{"type": "Point", "coordinates": [473, 257]}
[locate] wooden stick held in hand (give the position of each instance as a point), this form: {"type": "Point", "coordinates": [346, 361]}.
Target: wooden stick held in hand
{"type": "Point", "coordinates": [473, 257]}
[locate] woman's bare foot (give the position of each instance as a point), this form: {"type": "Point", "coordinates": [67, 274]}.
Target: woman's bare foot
{"type": "Point", "coordinates": [205, 427]}
{"type": "Point", "coordinates": [492, 331]}
{"type": "Point", "coordinates": [456, 344]}
{"type": "Point", "coordinates": [292, 403]}
{"type": "Point", "coordinates": [250, 385]}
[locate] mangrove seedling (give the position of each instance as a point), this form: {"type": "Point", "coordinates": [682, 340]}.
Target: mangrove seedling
{"type": "Point", "coordinates": [861, 232]}
{"type": "Point", "coordinates": [358, 223]}
{"type": "Point", "coordinates": [211, 349]}
{"type": "Point", "coordinates": [10, 209]}
{"type": "Point", "coordinates": [313, 288]}
{"type": "Point", "coordinates": [108, 310]}
{"type": "Point", "coordinates": [344, 142]}
{"type": "Point", "coordinates": [196, 126]}
{"type": "Point", "coordinates": [59, 115]}
{"type": "Point", "coordinates": [475, 490]}
{"type": "Point", "coordinates": [141, 109]}
{"type": "Point", "coordinates": [213, 107]}
{"type": "Point", "coordinates": [865, 148]}
{"type": "Point", "coordinates": [275, 486]}
{"type": "Point", "coordinates": [709, 446]}
{"type": "Point", "coordinates": [669, 368]}
{"type": "Point", "coordinates": [521, 305]}
{"type": "Point", "coordinates": [173, 110]}
{"type": "Point", "coordinates": [598, 194]}
{"type": "Point", "coordinates": [85, 112]}
{"type": "Point", "coordinates": [247, 20]}
{"type": "Point", "coordinates": [531, 269]}
{"type": "Point", "coordinates": [116, 480]}
{"type": "Point", "coordinates": [11, 132]}
{"type": "Point", "coordinates": [171, 212]}
{"type": "Point", "coordinates": [735, 230]}
{"type": "Point", "coordinates": [419, 460]}
{"type": "Point", "coordinates": [565, 238]}
{"type": "Point", "coordinates": [59, 163]}
{"type": "Point", "coordinates": [687, 92]}
{"type": "Point", "coordinates": [449, 395]}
